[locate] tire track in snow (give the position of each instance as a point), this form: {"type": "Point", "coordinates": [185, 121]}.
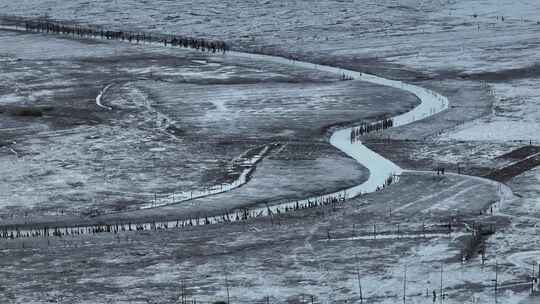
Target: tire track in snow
{"type": "Point", "coordinates": [525, 259]}
{"type": "Point", "coordinates": [100, 96]}
{"type": "Point", "coordinates": [428, 197]}
{"type": "Point", "coordinates": [503, 191]}
{"type": "Point", "coordinates": [450, 202]}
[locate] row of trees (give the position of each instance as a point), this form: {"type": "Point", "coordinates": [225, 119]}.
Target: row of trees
{"type": "Point", "coordinates": [91, 32]}
{"type": "Point", "coordinates": [356, 132]}
{"type": "Point", "coordinates": [228, 217]}
{"type": "Point", "coordinates": [345, 77]}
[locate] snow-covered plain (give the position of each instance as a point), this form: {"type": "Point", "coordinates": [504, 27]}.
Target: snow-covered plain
{"type": "Point", "coordinates": [441, 39]}
{"type": "Point", "coordinates": [515, 115]}
{"type": "Point", "coordinates": [380, 168]}
{"type": "Point", "coordinates": [431, 40]}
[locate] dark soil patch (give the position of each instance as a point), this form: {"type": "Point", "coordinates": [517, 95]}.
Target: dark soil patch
{"type": "Point", "coordinates": [520, 153]}
{"type": "Point", "coordinates": [26, 111]}
{"type": "Point", "coordinates": [514, 169]}
{"type": "Point", "coordinates": [532, 71]}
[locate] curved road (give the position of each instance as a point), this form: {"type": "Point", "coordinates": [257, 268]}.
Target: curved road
{"type": "Point", "coordinates": [379, 167]}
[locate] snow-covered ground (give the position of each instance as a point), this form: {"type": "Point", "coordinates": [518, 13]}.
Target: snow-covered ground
{"type": "Point", "coordinates": [142, 95]}
{"type": "Point", "coordinates": [442, 39]}
{"type": "Point", "coordinates": [515, 115]}
{"type": "Point", "coordinates": [289, 257]}
{"type": "Point", "coordinates": [460, 45]}
{"type": "Point", "coordinates": [380, 168]}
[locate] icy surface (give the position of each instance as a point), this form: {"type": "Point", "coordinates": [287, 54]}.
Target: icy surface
{"type": "Point", "coordinates": [515, 115]}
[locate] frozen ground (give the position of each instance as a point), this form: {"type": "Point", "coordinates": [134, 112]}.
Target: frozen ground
{"type": "Point", "coordinates": [515, 115]}
{"type": "Point", "coordinates": [451, 35]}
{"type": "Point", "coordinates": [288, 258]}
{"type": "Point", "coordinates": [460, 43]}
{"type": "Point", "coordinates": [462, 49]}
{"type": "Point", "coordinates": [433, 40]}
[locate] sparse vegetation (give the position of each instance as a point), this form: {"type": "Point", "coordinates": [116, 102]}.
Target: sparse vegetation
{"type": "Point", "coordinates": [400, 244]}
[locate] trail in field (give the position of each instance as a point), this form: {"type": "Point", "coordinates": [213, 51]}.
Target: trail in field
{"type": "Point", "coordinates": [100, 96]}
{"type": "Point", "coordinates": [525, 260]}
